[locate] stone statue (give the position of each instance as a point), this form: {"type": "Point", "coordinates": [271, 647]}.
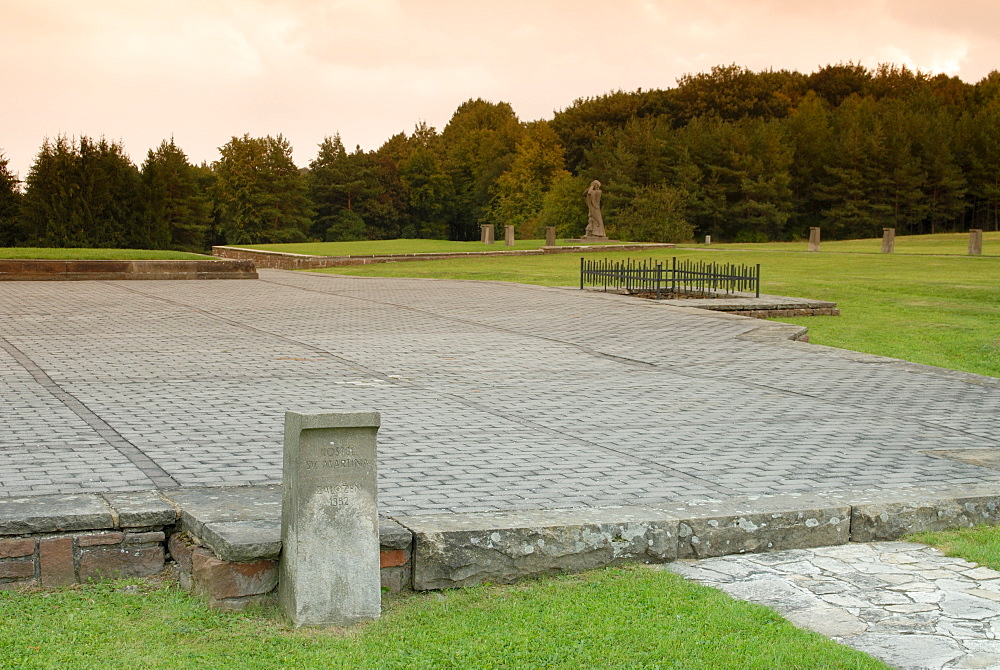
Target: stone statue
{"type": "Point", "coordinates": [595, 223]}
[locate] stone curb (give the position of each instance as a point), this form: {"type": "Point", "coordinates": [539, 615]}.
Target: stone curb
{"type": "Point", "coordinates": [449, 550]}
{"type": "Point", "coordinates": [72, 270]}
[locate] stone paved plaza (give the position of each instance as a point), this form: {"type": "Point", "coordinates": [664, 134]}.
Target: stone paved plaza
{"type": "Point", "coordinates": [493, 396]}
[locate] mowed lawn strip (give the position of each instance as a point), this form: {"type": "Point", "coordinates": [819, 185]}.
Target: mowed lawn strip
{"type": "Point", "coordinates": [954, 244]}
{"type": "Point", "coordinates": [632, 617]}
{"type": "Point", "coordinates": [937, 310]}
{"type": "Point", "coordinates": [980, 544]}
{"type": "Point", "coordinates": [402, 246]}
{"type": "Point", "coordinates": [53, 253]}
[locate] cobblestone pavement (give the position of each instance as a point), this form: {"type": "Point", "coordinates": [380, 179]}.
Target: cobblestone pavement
{"type": "Point", "coordinates": [493, 396]}
{"type": "Point", "coordinates": [904, 603]}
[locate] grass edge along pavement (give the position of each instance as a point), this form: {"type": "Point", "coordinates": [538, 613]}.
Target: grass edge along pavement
{"type": "Point", "coordinates": [623, 617]}
{"type": "Point", "coordinates": [936, 310]}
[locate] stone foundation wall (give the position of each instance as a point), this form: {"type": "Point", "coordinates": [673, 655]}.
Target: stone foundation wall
{"type": "Point", "coordinates": [71, 558]}
{"type": "Point", "coordinates": [285, 261]}
{"type": "Point", "coordinates": [74, 270]}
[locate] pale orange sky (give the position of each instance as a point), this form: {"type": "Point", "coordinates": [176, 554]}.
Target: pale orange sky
{"type": "Point", "coordinates": [140, 71]}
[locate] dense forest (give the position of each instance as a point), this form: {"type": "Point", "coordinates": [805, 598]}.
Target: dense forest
{"type": "Point", "coordinates": [737, 154]}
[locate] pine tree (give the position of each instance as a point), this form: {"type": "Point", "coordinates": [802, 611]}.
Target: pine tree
{"type": "Point", "coordinates": [10, 204]}
{"type": "Point", "coordinates": [262, 193]}
{"type": "Point", "coordinates": [177, 208]}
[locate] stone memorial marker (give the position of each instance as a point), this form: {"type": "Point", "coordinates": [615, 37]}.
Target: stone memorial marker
{"type": "Point", "coordinates": [508, 235]}
{"type": "Point", "coordinates": [975, 242]}
{"type": "Point", "coordinates": [550, 236]}
{"type": "Point", "coordinates": [888, 240]}
{"type": "Point", "coordinates": [814, 239]}
{"type": "Point", "coordinates": [708, 239]}
{"type": "Point", "coordinates": [487, 233]}
{"type": "Point", "coordinates": [329, 570]}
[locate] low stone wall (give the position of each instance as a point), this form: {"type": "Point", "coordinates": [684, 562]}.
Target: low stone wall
{"type": "Point", "coordinates": [226, 542]}
{"type": "Point", "coordinates": [285, 261]}
{"type": "Point", "coordinates": [68, 270]}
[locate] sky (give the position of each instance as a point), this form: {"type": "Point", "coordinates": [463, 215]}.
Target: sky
{"type": "Point", "coordinates": [203, 71]}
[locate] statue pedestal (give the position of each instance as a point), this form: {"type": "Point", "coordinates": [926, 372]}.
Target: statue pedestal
{"type": "Point", "coordinates": [591, 239]}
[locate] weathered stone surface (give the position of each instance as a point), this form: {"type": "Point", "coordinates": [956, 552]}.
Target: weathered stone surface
{"type": "Point", "coordinates": [120, 561]}
{"type": "Point", "coordinates": [51, 514]}
{"type": "Point", "coordinates": [17, 548]}
{"type": "Point", "coordinates": [909, 651]}
{"type": "Point", "coordinates": [223, 504]}
{"type": "Point", "coordinates": [63, 270]}
{"type": "Point", "coordinates": [181, 548]}
{"type": "Point", "coordinates": [889, 520]}
{"type": "Point", "coordinates": [17, 569]}
{"type": "Point", "coordinates": [99, 539]}
{"type": "Point", "coordinates": [394, 579]}
{"type": "Point", "coordinates": [392, 558]}
{"type": "Point", "coordinates": [154, 536]}
{"type": "Point", "coordinates": [767, 524]}
{"type": "Point", "coordinates": [329, 523]}
{"type": "Point", "coordinates": [463, 549]}
{"type": "Point", "coordinates": [222, 580]}
{"type": "Point", "coordinates": [391, 535]}
{"type": "Point", "coordinates": [141, 509]}
{"type": "Point", "coordinates": [55, 556]}
{"type": "Point", "coordinates": [243, 540]}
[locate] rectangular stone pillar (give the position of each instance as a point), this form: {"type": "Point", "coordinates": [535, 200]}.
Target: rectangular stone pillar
{"type": "Point", "coordinates": [329, 571]}
{"type": "Point", "coordinates": [708, 239]}
{"type": "Point", "coordinates": [508, 235]}
{"type": "Point", "coordinates": [487, 233]}
{"type": "Point", "coordinates": [888, 240]}
{"type": "Point", "coordinates": [814, 239]}
{"type": "Point", "coordinates": [976, 242]}
{"type": "Point", "coordinates": [550, 236]}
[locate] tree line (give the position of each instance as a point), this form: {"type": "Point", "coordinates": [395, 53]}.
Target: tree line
{"type": "Point", "coordinates": [737, 154]}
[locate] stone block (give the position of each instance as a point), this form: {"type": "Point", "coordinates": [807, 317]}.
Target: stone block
{"type": "Point", "coordinates": [329, 523]}
{"type": "Point", "coordinates": [395, 579]}
{"type": "Point", "coordinates": [508, 236]}
{"type": "Point", "coordinates": [453, 550]}
{"type": "Point", "coordinates": [391, 535]}
{"type": "Point", "coordinates": [890, 520]}
{"type": "Point", "coordinates": [225, 504]}
{"type": "Point", "coordinates": [223, 580]}
{"type": "Point", "coordinates": [55, 559]}
{"type": "Point", "coordinates": [120, 561]}
{"type": "Point", "coordinates": [759, 526]}
{"type": "Point", "coordinates": [53, 514]}
{"type": "Point", "coordinates": [141, 509]}
{"type": "Point", "coordinates": [17, 548]}
{"type": "Point", "coordinates": [814, 239]}
{"type": "Point", "coordinates": [22, 568]}
{"type": "Point", "coordinates": [243, 540]}
{"type": "Point", "coordinates": [550, 236]}
{"type": "Point", "coordinates": [392, 558]}
{"type": "Point", "coordinates": [149, 537]}
{"type": "Point", "coordinates": [99, 539]}
{"type": "Point", "coordinates": [181, 548]}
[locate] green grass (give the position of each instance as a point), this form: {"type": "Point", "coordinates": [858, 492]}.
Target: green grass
{"type": "Point", "coordinates": [405, 246]}
{"type": "Point", "coordinates": [937, 310]}
{"type": "Point", "coordinates": [631, 617]}
{"type": "Point", "coordinates": [955, 244]}
{"type": "Point", "coordinates": [980, 544]}
{"type": "Point", "coordinates": [98, 254]}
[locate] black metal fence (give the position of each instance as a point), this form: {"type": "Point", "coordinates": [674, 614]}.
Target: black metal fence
{"type": "Point", "coordinates": [684, 277]}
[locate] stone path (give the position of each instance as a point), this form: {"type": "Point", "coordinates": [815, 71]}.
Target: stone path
{"type": "Point", "coordinates": [904, 603]}
{"type": "Point", "coordinates": [493, 396]}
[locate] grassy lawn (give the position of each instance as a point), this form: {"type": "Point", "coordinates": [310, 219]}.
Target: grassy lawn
{"type": "Point", "coordinates": [98, 254]}
{"type": "Point", "coordinates": [938, 310]}
{"type": "Point", "coordinates": [368, 247]}
{"type": "Point", "coordinates": [632, 617]}
{"type": "Point", "coordinates": [980, 544]}
{"type": "Point", "coordinates": [942, 243]}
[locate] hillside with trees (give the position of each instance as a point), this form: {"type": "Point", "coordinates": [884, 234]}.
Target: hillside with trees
{"type": "Point", "coordinates": [736, 154]}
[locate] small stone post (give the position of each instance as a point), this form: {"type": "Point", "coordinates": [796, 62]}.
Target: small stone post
{"type": "Point", "coordinates": [888, 240]}
{"type": "Point", "coordinates": [550, 236]}
{"type": "Point", "coordinates": [814, 239]}
{"type": "Point", "coordinates": [976, 242]}
{"type": "Point", "coordinates": [487, 233]}
{"type": "Point", "coordinates": [708, 239]}
{"type": "Point", "coordinates": [329, 570]}
{"type": "Point", "coordinates": [508, 235]}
